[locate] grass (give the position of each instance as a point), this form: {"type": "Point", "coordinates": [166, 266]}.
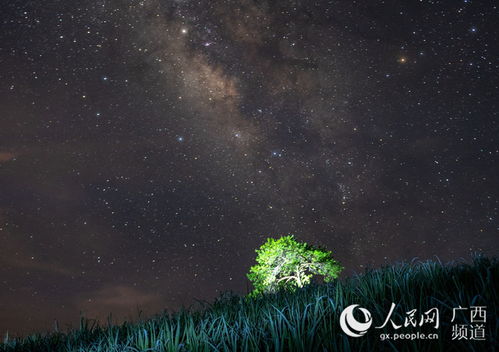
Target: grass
{"type": "Point", "coordinates": [305, 320]}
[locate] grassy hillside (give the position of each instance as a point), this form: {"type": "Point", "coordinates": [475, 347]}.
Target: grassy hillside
{"type": "Point", "coordinates": [308, 319]}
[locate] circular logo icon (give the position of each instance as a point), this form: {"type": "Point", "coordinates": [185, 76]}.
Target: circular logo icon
{"type": "Point", "coordinates": [350, 325]}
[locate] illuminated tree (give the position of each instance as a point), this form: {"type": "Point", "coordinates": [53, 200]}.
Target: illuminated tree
{"type": "Point", "coordinates": [285, 263]}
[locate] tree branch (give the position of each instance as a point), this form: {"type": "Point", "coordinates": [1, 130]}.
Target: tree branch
{"type": "Point", "coordinates": [287, 278]}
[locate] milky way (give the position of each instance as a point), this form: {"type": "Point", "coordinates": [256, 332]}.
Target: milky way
{"type": "Point", "coordinates": [148, 147]}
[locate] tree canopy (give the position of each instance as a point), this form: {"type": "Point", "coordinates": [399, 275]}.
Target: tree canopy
{"type": "Point", "coordinates": [285, 263]}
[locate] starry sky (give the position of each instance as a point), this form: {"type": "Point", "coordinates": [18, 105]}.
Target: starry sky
{"type": "Point", "coordinates": [148, 147]}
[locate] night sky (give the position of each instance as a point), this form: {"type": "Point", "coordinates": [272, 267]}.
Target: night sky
{"type": "Point", "coordinates": [148, 147]}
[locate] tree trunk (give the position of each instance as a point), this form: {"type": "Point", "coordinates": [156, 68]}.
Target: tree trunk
{"type": "Point", "coordinates": [298, 277]}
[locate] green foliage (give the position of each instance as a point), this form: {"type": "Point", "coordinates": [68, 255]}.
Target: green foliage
{"type": "Point", "coordinates": [285, 263]}
{"type": "Point", "coordinates": [303, 320]}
